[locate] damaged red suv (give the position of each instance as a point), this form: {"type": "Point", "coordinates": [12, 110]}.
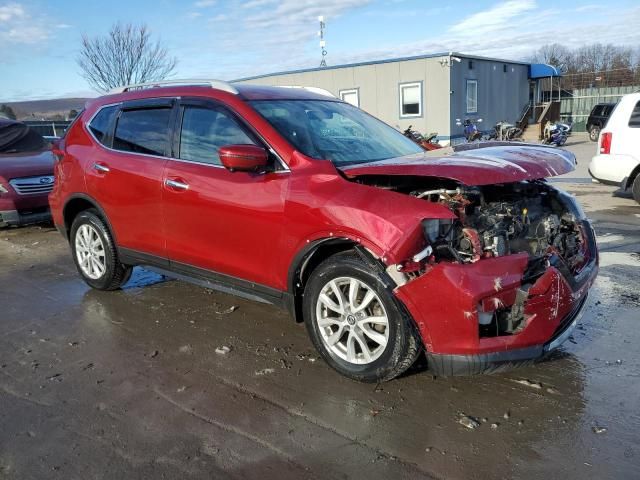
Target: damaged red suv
{"type": "Point", "coordinates": [292, 197]}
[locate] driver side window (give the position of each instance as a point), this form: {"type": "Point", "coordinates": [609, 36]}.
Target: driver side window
{"type": "Point", "coordinates": [205, 130]}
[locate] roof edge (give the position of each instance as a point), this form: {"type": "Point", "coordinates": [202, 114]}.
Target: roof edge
{"type": "Point", "coordinates": [374, 62]}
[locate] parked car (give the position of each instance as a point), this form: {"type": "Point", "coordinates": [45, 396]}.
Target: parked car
{"type": "Point", "coordinates": [598, 119]}
{"type": "Point", "coordinates": [618, 159]}
{"type": "Point", "coordinates": [26, 175]}
{"type": "Point", "coordinates": [301, 200]}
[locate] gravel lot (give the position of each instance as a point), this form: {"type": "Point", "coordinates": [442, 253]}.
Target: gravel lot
{"type": "Point", "coordinates": [137, 383]}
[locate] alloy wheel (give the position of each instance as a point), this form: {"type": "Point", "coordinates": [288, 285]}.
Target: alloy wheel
{"type": "Point", "coordinates": [90, 252]}
{"type": "Point", "coordinates": [352, 320]}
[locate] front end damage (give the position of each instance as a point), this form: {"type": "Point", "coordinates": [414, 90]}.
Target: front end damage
{"type": "Point", "coordinates": [502, 283]}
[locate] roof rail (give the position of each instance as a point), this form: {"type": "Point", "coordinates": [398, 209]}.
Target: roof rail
{"type": "Point", "coordinates": [217, 84]}
{"type": "Point", "coordinates": [318, 90]}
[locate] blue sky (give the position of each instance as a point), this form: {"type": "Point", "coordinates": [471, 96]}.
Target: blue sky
{"type": "Point", "coordinates": [228, 39]}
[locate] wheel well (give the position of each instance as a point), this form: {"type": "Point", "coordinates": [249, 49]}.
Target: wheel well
{"type": "Point", "coordinates": [632, 177]}
{"type": "Point", "coordinates": [306, 263]}
{"type": "Point", "coordinates": [72, 209]}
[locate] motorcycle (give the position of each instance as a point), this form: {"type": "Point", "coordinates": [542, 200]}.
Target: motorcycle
{"type": "Point", "coordinates": [505, 132]}
{"type": "Point", "coordinates": [428, 143]}
{"type": "Point", "coordinates": [554, 134]}
{"type": "Point", "coordinates": [471, 131]}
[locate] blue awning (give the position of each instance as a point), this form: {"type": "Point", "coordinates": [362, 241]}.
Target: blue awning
{"type": "Point", "coordinates": [542, 70]}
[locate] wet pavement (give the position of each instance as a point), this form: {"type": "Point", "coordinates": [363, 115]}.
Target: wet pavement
{"type": "Point", "coordinates": [166, 380]}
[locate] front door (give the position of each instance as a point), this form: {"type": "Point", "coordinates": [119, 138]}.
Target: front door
{"type": "Point", "coordinates": [225, 222]}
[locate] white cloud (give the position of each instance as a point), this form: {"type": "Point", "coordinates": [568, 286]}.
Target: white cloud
{"type": "Point", "coordinates": [11, 11]}
{"type": "Point", "coordinates": [204, 3]}
{"type": "Point", "coordinates": [495, 18]}
{"type": "Point", "coordinates": [221, 17]}
{"type": "Point", "coordinates": [18, 26]}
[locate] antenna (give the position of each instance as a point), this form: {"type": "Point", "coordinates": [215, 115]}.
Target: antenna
{"type": "Point", "coordinates": [323, 44]}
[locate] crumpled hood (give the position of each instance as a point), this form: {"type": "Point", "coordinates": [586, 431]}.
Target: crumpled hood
{"type": "Point", "coordinates": [478, 166]}
{"type": "Point", "coordinates": [15, 165]}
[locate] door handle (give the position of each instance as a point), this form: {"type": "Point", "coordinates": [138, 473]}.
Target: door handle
{"type": "Point", "coordinates": [101, 168]}
{"type": "Point", "coordinates": [176, 184]}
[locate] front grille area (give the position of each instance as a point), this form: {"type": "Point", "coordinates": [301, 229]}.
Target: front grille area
{"type": "Point", "coordinates": [33, 185]}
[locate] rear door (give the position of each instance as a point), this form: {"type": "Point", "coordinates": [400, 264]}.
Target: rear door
{"type": "Point", "coordinates": [228, 223]}
{"type": "Point", "coordinates": [126, 179]}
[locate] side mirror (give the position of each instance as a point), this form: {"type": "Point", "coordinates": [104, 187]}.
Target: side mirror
{"type": "Point", "coordinates": [479, 120]}
{"type": "Point", "coordinates": [243, 158]}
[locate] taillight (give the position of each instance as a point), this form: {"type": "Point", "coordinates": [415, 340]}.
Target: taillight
{"type": "Point", "coordinates": [605, 143]}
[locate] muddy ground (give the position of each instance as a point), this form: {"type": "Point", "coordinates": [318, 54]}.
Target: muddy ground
{"type": "Point", "coordinates": [137, 383]}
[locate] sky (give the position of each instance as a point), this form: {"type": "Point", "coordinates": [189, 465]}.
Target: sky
{"type": "Point", "coordinates": [228, 39]}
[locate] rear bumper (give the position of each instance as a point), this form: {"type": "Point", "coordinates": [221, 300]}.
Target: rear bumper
{"type": "Point", "coordinates": [612, 169]}
{"type": "Point", "coordinates": [445, 302]}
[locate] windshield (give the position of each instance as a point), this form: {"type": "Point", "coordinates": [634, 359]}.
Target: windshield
{"type": "Point", "coordinates": [334, 131]}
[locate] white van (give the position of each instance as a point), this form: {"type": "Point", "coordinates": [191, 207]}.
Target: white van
{"type": "Point", "coordinates": [618, 160]}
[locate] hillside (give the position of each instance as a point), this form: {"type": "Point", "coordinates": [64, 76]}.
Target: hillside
{"type": "Point", "coordinates": [46, 109]}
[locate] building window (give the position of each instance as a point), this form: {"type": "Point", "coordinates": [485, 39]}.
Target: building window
{"type": "Point", "coordinates": [472, 96]}
{"type": "Point", "coordinates": [351, 96]}
{"type": "Point", "coordinates": [411, 99]}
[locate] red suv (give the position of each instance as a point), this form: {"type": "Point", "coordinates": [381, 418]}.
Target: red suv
{"type": "Point", "coordinates": [292, 197]}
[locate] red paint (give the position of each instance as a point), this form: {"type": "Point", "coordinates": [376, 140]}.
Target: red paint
{"type": "Point", "coordinates": [476, 167]}
{"type": "Point", "coordinates": [251, 225]}
{"type": "Point", "coordinates": [17, 165]}
{"type": "Point", "coordinates": [244, 158]}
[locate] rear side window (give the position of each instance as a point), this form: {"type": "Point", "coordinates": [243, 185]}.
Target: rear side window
{"type": "Point", "coordinates": [634, 121]}
{"type": "Point", "coordinates": [204, 131]}
{"type": "Point", "coordinates": [100, 124]}
{"type": "Point", "coordinates": [597, 110]}
{"type": "Point", "coordinates": [143, 131]}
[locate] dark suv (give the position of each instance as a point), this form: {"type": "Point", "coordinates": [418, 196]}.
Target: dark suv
{"type": "Point", "coordinates": [295, 198]}
{"type": "Point", "coordinates": [598, 117]}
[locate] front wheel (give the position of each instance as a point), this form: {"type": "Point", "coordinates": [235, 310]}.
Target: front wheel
{"type": "Point", "coordinates": [94, 253]}
{"type": "Point", "coordinates": [356, 323]}
{"type": "Point", "coordinates": [594, 133]}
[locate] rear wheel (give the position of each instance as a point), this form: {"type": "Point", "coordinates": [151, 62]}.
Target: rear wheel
{"type": "Point", "coordinates": [594, 133]}
{"type": "Point", "coordinates": [94, 253]}
{"type": "Point", "coordinates": [356, 323]}
{"type": "Point", "coordinates": [635, 188]}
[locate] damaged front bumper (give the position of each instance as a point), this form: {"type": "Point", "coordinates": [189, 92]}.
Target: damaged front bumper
{"type": "Point", "coordinates": [447, 301]}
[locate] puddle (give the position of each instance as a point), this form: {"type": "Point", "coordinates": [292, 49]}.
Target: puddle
{"type": "Point", "coordinates": [142, 277]}
{"type": "Point", "coordinates": [608, 259]}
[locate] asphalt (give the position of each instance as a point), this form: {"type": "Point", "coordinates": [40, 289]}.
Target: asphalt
{"type": "Point", "coordinates": [168, 380]}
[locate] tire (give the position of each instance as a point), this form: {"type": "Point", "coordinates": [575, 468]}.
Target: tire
{"type": "Point", "coordinates": [392, 344]}
{"type": "Point", "coordinates": [89, 229]}
{"type": "Point", "coordinates": [635, 188]}
{"type": "Point", "coordinates": [594, 133]}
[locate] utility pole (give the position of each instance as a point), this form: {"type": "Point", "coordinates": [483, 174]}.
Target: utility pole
{"type": "Point", "coordinates": [323, 44]}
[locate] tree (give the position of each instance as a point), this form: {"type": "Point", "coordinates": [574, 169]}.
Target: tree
{"type": "Point", "coordinates": [126, 55]}
{"type": "Point", "coordinates": [556, 55]}
{"type": "Point", "coordinates": [7, 111]}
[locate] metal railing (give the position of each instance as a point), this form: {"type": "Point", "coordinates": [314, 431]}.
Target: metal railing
{"type": "Point", "coordinates": [217, 84]}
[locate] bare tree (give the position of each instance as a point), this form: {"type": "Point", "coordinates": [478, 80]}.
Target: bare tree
{"type": "Point", "coordinates": [554, 54]}
{"type": "Point", "coordinates": [124, 56]}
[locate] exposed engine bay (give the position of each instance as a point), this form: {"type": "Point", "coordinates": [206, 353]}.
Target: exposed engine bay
{"type": "Point", "coordinates": [494, 221]}
{"type": "Point", "coordinates": [498, 220]}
